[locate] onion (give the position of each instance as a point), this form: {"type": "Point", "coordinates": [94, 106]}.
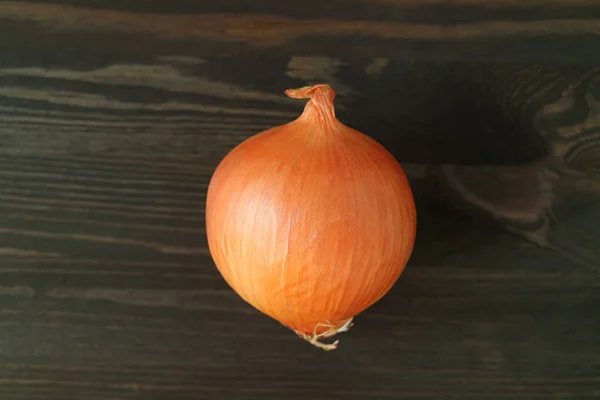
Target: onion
{"type": "Point", "coordinates": [311, 222]}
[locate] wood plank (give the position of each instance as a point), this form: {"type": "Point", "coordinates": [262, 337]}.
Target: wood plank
{"type": "Point", "coordinates": [107, 292]}
{"type": "Point", "coordinates": [559, 31]}
{"type": "Point", "coordinates": [102, 299]}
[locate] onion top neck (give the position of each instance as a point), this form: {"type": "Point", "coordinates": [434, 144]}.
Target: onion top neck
{"type": "Point", "coordinates": [320, 105]}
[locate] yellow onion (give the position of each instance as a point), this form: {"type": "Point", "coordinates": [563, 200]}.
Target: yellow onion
{"type": "Point", "coordinates": [310, 222]}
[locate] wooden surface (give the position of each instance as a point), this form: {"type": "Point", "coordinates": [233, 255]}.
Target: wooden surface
{"type": "Point", "coordinates": [113, 116]}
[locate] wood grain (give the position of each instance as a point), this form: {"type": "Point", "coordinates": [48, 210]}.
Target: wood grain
{"type": "Point", "coordinates": [113, 116]}
{"type": "Point", "coordinates": [477, 313]}
{"type": "Point", "coordinates": [270, 30]}
{"type": "Point", "coordinates": [559, 31]}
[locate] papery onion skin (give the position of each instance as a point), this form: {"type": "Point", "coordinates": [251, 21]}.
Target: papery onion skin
{"type": "Point", "coordinates": [310, 222]}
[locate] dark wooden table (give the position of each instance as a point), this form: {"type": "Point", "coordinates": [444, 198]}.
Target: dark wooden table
{"type": "Point", "coordinates": [113, 115]}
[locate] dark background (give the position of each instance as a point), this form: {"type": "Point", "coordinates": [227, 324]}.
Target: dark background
{"type": "Point", "coordinates": [114, 114]}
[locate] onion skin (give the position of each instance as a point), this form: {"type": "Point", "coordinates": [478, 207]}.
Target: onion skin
{"type": "Point", "coordinates": [311, 222]}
